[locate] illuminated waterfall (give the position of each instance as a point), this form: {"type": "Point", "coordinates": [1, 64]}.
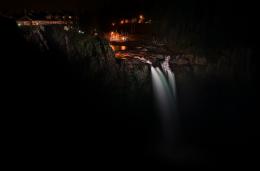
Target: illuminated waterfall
{"type": "Point", "coordinates": [166, 99]}
{"type": "Point", "coordinates": [171, 77]}
{"type": "Point", "coordinates": [172, 82]}
{"type": "Point", "coordinates": [161, 91]}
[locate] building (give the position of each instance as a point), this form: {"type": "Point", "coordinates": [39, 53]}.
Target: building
{"type": "Point", "coordinates": [48, 20]}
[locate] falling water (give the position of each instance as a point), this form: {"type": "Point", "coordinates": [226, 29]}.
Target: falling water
{"type": "Point", "coordinates": [165, 94]}
{"type": "Point", "coordinates": [172, 82]}
{"type": "Point", "coordinates": [161, 92]}
{"type": "Point", "coordinates": [171, 77]}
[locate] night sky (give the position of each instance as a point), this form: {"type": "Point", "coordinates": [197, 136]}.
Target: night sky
{"type": "Point", "coordinates": [121, 8]}
{"type": "Point", "coordinates": [233, 19]}
{"type": "Point", "coordinates": [129, 7]}
{"type": "Point", "coordinates": [88, 5]}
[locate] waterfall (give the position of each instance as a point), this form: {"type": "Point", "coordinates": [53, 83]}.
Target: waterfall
{"type": "Point", "coordinates": [161, 92]}
{"type": "Point", "coordinates": [172, 83]}
{"type": "Point", "coordinates": [171, 77]}
{"type": "Point", "coordinates": [166, 99]}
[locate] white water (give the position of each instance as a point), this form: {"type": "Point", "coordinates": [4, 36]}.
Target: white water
{"type": "Point", "coordinates": [161, 91]}
{"type": "Point", "coordinates": [164, 86]}
{"type": "Point", "coordinates": [171, 78]}
{"type": "Point", "coordinates": [172, 82]}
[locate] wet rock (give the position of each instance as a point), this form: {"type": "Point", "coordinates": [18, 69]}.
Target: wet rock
{"type": "Point", "coordinates": [93, 50]}
{"type": "Point", "coordinates": [93, 61]}
{"type": "Point", "coordinates": [183, 61]}
{"type": "Point", "coordinates": [144, 50]}
{"type": "Point", "coordinates": [135, 76]}
{"type": "Point", "coordinates": [200, 60]}
{"type": "Point", "coordinates": [190, 57]}
{"type": "Point", "coordinates": [159, 56]}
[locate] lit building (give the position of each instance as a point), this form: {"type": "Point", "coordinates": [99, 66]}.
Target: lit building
{"type": "Point", "coordinates": [48, 20]}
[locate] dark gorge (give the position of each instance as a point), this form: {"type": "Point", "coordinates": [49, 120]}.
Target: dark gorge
{"type": "Point", "coordinates": [167, 85]}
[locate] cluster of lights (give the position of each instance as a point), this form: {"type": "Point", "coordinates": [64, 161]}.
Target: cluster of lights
{"type": "Point", "coordinates": [116, 48]}
{"type": "Point", "coordinates": [64, 17]}
{"type": "Point", "coordinates": [140, 19]}
{"type": "Point", "coordinates": [81, 32]}
{"type": "Point", "coordinates": [126, 21]}
{"type": "Point", "coordinates": [114, 36]}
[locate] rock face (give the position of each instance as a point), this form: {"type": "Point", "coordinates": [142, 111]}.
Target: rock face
{"type": "Point", "coordinates": [71, 91]}
{"type": "Point", "coordinates": [92, 62]}
{"type": "Point", "coordinates": [74, 46]}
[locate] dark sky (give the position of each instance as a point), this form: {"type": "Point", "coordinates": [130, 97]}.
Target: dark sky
{"type": "Point", "coordinates": [90, 5]}
{"type": "Point", "coordinates": [100, 8]}
{"type": "Point", "coordinates": [121, 5]}
{"type": "Point", "coordinates": [118, 6]}
{"type": "Point", "coordinates": [108, 9]}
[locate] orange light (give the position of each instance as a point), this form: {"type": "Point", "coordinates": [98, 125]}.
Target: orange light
{"type": "Point", "coordinates": [118, 55]}
{"type": "Point", "coordinates": [141, 16]}
{"type": "Point", "coordinates": [123, 38]}
{"type": "Point", "coordinates": [126, 21]}
{"type": "Point", "coordinates": [122, 22]}
{"type": "Point", "coordinates": [114, 36]}
{"type": "Point", "coordinates": [123, 47]}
